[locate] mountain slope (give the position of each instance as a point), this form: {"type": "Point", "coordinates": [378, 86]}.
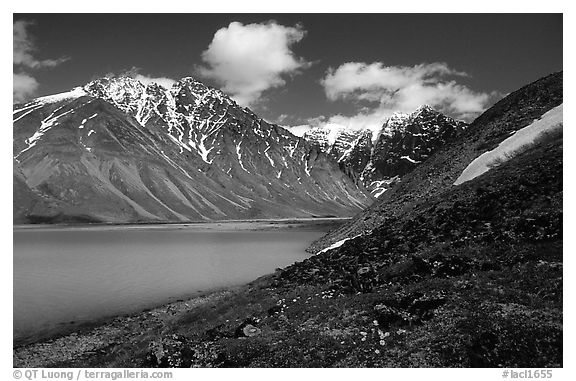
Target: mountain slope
{"type": "Point", "coordinates": [439, 172]}
{"type": "Point", "coordinates": [118, 151]}
{"type": "Point", "coordinates": [379, 160]}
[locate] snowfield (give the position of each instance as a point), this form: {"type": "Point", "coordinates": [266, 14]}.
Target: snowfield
{"type": "Point", "coordinates": [526, 135]}
{"type": "Point", "coordinates": [337, 244]}
{"type": "Point", "coordinates": [76, 92]}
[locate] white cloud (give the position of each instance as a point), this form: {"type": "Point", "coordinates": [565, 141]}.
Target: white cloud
{"type": "Point", "coordinates": [247, 60]}
{"type": "Point", "coordinates": [371, 120]}
{"type": "Point", "coordinates": [404, 88]}
{"type": "Point", "coordinates": [162, 81]}
{"type": "Point", "coordinates": [25, 60]}
{"type": "Point", "coordinates": [298, 130]}
{"type": "Point", "coordinates": [24, 86]}
{"type": "Point", "coordinates": [135, 73]}
{"type": "Point", "coordinates": [25, 49]}
{"type": "Point", "coordinates": [389, 89]}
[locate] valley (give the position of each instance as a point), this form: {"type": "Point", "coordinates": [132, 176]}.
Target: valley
{"type": "Point", "coordinates": [432, 274]}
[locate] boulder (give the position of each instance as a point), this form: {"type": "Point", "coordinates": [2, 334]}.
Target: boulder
{"type": "Point", "coordinates": [250, 331]}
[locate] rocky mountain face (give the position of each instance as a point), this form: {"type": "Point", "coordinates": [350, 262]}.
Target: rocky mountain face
{"type": "Point", "coordinates": [378, 160]}
{"type": "Point", "coordinates": [116, 150]}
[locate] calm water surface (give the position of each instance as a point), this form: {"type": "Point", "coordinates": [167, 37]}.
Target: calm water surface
{"type": "Point", "coordinates": [80, 275]}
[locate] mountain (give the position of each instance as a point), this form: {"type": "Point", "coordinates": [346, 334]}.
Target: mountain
{"type": "Point", "coordinates": [377, 160]}
{"type": "Point", "coordinates": [459, 265]}
{"type": "Point", "coordinates": [116, 150]}
{"type": "Point", "coordinates": [439, 172]}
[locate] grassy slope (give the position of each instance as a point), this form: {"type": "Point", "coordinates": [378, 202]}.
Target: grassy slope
{"type": "Point", "coordinates": [470, 277]}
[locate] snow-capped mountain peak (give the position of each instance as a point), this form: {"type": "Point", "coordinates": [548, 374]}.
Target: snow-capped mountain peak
{"type": "Point", "coordinates": [424, 108]}
{"type": "Point", "coordinates": [190, 109]}
{"type": "Point", "coordinates": [144, 152]}
{"type": "Point", "coordinates": [76, 92]}
{"type": "Point", "coordinates": [377, 158]}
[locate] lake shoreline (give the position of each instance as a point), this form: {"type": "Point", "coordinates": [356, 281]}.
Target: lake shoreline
{"type": "Point", "coordinates": [82, 327]}
{"type": "Point", "coordinates": [298, 323]}
{"type": "Point", "coordinates": [87, 339]}
{"type": "Point", "coordinates": [253, 225]}
{"type": "Point", "coordinates": [65, 329]}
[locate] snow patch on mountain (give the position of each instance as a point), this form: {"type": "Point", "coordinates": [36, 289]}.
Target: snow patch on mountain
{"type": "Point", "coordinates": [77, 92]}
{"type": "Point", "coordinates": [549, 121]}
{"type": "Point", "coordinates": [378, 192]}
{"type": "Point", "coordinates": [46, 124]}
{"type": "Point", "coordinates": [203, 151]}
{"type": "Point", "coordinates": [410, 159]}
{"type": "Point", "coordinates": [395, 122]}
{"type": "Point", "coordinates": [337, 244]}
{"type": "Point", "coordinates": [268, 156]}
{"type": "Point", "coordinates": [28, 110]}
{"type": "Point", "coordinates": [240, 157]}
{"type": "Point", "coordinates": [378, 187]}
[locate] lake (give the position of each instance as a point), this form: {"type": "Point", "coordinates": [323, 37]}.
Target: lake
{"type": "Point", "coordinates": [66, 276]}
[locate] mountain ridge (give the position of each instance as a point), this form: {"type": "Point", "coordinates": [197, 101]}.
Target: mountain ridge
{"type": "Point", "coordinates": [377, 159]}
{"type": "Point", "coordinates": [142, 153]}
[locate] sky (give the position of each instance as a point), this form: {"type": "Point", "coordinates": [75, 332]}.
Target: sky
{"type": "Point", "coordinates": [350, 70]}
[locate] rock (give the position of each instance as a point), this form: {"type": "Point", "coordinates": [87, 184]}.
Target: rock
{"type": "Point", "coordinates": [408, 309]}
{"type": "Point", "coordinates": [250, 331]}
{"type": "Point", "coordinates": [390, 316]}
{"type": "Point", "coordinates": [423, 306]}
{"type": "Point", "coordinates": [247, 329]}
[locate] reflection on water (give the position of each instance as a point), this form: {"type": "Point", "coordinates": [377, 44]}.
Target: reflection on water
{"type": "Point", "coordinates": [85, 274]}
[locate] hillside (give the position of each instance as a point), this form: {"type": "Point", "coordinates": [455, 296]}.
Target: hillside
{"type": "Point", "coordinates": [439, 172]}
